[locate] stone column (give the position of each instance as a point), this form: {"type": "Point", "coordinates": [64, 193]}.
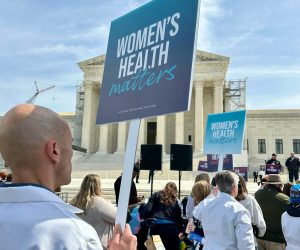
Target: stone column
{"type": "Point", "coordinates": [218, 97]}
{"type": "Point", "coordinates": [141, 139]}
{"type": "Point", "coordinates": [199, 136]}
{"type": "Point", "coordinates": [91, 99]}
{"type": "Point", "coordinates": [161, 132]}
{"type": "Point", "coordinates": [103, 139]}
{"type": "Point", "coordinates": [121, 144]}
{"type": "Point", "coordinates": [179, 128]}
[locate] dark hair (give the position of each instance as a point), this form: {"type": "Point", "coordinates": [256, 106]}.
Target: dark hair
{"type": "Point", "coordinates": [213, 182]}
{"type": "Point", "coordinates": [242, 189]}
{"type": "Point", "coordinates": [168, 195]}
{"type": "Point", "coordinates": [265, 179]}
{"type": "Point", "coordinates": [9, 177]}
{"type": "Point", "coordinates": [286, 188]}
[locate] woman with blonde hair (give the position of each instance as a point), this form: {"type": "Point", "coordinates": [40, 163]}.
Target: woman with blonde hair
{"type": "Point", "coordinates": [97, 211]}
{"type": "Point", "coordinates": [200, 191]}
{"type": "Point", "coordinates": [164, 207]}
{"type": "Point", "coordinates": [190, 201]}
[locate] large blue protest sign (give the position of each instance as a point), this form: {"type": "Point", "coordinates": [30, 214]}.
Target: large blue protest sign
{"type": "Point", "coordinates": [224, 133]}
{"type": "Point", "coordinates": [149, 61]}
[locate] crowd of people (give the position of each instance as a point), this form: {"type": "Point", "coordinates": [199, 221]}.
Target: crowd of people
{"type": "Point", "coordinates": [218, 214]}
{"type": "Point", "coordinates": [292, 165]}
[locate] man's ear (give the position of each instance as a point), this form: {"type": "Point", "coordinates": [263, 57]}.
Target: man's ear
{"type": "Point", "coordinates": [53, 151]}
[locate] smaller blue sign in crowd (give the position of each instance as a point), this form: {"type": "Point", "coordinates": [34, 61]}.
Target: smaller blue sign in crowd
{"type": "Point", "coordinates": [224, 133]}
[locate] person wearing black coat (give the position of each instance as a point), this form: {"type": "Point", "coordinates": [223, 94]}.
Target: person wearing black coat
{"type": "Point", "coordinates": [292, 163]}
{"type": "Point", "coordinates": [164, 207]}
{"type": "Point", "coordinates": [133, 198]}
{"type": "Point", "coordinates": [274, 161]}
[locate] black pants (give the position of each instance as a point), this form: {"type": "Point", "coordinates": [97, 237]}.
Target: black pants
{"type": "Point", "coordinates": [151, 173]}
{"type": "Point", "coordinates": [137, 177]}
{"type": "Point", "coordinates": [142, 237]}
{"type": "Point", "coordinates": [255, 179]}
{"type": "Point", "coordinates": [260, 179]}
{"type": "Point", "coordinates": [168, 234]}
{"type": "Point", "coordinates": [293, 174]}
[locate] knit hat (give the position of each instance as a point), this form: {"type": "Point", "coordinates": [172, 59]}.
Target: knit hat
{"type": "Point", "coordinates": [295, 194]}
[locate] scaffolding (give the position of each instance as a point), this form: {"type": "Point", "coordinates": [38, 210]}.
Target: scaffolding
{"type": "Point", "coordinates": [235, 95]}
{"type": "Point", "coordinates": [78, 113]}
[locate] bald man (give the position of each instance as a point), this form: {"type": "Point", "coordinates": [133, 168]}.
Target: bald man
{"type": "Point", "coordinates": [37, 145]}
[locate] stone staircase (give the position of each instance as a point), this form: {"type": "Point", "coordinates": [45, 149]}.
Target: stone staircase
{"type": "Point", "coordinates": [68, 194]}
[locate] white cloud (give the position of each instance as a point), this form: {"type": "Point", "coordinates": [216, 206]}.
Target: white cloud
{"type": "Point", "coordinates": [209, 10]}
{"type": "Point", "coordinates": [79, 51]}
{"type": "Point", "coordinates": [98, 32]}
{"type": "Point", "coordinates": [287, 70]}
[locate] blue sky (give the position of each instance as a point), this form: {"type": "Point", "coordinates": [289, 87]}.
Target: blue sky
{"type": "Point", "coordinates": [44, 40]}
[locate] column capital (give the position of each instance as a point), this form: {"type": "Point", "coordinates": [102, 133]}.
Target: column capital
{"type": "Point", "coordinates": [218, 83]}
{"type": "Point", "coordinates": [91, 86]}
{"type": "Point", "coordinates": [198, 83]}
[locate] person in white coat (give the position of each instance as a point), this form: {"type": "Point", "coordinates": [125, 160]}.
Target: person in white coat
{"type": "Point", "coordinates": [250, 203]}
{"type": "Point", "coordinates": [226, 223]}
{"type": "Point", "coordinates": [37, 145]}
{"type": "Point", "coordinates": [290, 220]}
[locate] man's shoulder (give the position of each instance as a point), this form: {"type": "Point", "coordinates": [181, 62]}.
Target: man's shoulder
{"type": "Point", "coordinates": [283, 198]}
{"type": "Point", "coordinates": [259, 194]}
{"type": "Point", "coordinates": [85, 231]}
{"type": "Point", "coordinates": [56, 220]}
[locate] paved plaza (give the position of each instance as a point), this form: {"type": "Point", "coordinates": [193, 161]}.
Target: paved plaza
{"type": "Point", "coordinates": [143, 188]}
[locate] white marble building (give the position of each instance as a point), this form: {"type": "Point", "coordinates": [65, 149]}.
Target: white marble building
{"type": "Point", "coordinates": [182, 128]}
{"type": "Point", "coordinates": [267, 131]}
{"type": "Point", "coordinates": [272, 131]}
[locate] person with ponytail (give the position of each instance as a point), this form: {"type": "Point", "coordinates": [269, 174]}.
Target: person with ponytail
{"type": "Point", "coordinates": [98, 212]}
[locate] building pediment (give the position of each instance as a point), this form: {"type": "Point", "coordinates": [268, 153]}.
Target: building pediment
{"type": "Point", "coordinates": [95, 61]}
{"type": "Point", "coordinates": [201, 56]}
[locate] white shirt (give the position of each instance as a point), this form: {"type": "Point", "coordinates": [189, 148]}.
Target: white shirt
{"type": "Point", "coordinates": [35, 218]}
{"type": "Point", "coordinates": [226, 224]}
{"type": "Point", "coordinates": [291, 228]}
{"type": "Point", "coordinates": [101, 215]}
{"type": "Point", "coordinates": [190, 207]}
{"type": "Point", "coordinates": [191, 203]}
{"type": "Point", "coordinates": [256, 214]}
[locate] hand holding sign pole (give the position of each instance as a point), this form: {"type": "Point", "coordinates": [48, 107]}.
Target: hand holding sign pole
{"type": "Point", "coordinates": [148, 72]}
